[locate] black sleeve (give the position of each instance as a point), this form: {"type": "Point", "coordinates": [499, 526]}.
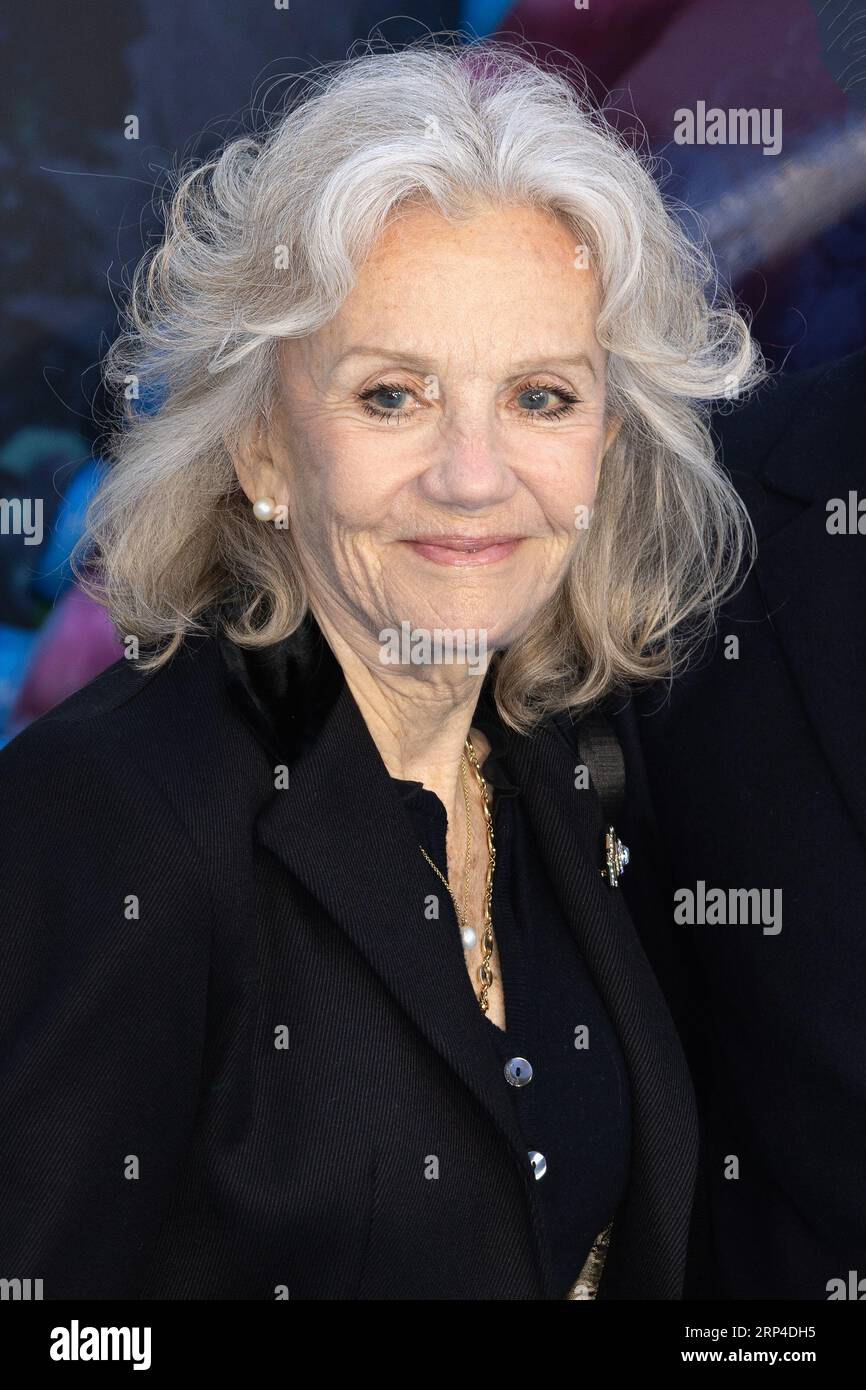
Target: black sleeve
{"type": "Point", "coordinates": [104, 951]}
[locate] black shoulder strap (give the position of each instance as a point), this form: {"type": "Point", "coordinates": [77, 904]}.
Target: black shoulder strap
{"type": "Point", "coordinates": [600, 750]}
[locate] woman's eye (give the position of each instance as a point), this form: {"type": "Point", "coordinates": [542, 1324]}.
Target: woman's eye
{"type": "Point", "coordinates": [385, 402]}
{"type": "Point", "coordinates": [533, 401]}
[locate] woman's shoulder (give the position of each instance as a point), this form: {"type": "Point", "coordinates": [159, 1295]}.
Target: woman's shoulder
{"type": "Point", "coordinates": [118, 753]}
{"type": "Point", "coordinates": [79, 721]}
{"type": "Point", "coordinates": [124, 704]}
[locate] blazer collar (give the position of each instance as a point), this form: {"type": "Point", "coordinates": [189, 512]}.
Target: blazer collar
{"type": "Point", "coordinates": [287, 691]}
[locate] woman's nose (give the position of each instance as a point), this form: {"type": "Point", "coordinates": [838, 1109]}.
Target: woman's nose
{"type": "Point", "coordinates": [469, 470]}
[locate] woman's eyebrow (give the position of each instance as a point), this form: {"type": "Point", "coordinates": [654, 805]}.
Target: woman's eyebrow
{"type": "Point", "coordinates": [410, 358]}
{"type": "Point", "coordinates": [580, 359]}
{"type": "Point", "coordinates": [427, 364]}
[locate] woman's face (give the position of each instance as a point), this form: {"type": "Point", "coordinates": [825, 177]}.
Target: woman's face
{"type": "Point", "coordinates": [438, 442]}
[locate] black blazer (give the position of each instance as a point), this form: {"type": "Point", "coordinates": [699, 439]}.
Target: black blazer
{"type": "Point", "coordinates": [172, 918]}
{"type": "Point", "coordinates": [756, 770]}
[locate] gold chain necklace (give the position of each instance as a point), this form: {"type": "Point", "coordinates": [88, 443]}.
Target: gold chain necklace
{"type": "Point", "coordinates": [485, 971]}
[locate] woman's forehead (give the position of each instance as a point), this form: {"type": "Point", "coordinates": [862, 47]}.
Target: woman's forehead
{"type": "Point", "coordinates": [505, 285]}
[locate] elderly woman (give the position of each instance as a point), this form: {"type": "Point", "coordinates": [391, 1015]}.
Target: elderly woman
{"type": "Point", "coordinates": [318, 983]}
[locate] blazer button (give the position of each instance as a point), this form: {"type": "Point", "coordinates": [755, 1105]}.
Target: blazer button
{"type": "Point", "coordinates": [539, 1163]}
{"type": "Point", "coordinates": [518, 1072]}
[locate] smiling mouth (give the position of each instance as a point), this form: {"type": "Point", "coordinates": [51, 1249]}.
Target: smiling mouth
{"type": "Point", "coordinates": [464, 550]}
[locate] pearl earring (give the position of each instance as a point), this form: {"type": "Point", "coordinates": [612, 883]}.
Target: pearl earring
{"type": "Point", "coordinates": [264, 508]}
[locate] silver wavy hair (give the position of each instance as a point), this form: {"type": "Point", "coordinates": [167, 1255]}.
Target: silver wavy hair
{"type": "Point", "coordinates": [263, 241]}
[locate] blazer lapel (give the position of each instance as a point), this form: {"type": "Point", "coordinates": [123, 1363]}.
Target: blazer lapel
{"type": "Point", "coordinates": [340, 829]}
{"type": "Point", "coordinates": [649, 1242]}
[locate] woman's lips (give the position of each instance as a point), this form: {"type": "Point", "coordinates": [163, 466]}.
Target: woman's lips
{"type": "Point", "coordinates": [465, 551]}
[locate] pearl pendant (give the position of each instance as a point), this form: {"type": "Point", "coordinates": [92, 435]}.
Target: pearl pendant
{"type": "Point", "coordinates": [469, 938]}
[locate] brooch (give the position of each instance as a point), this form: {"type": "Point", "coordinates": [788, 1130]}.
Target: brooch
{"type": "Point", "coordinates": [616, 857]}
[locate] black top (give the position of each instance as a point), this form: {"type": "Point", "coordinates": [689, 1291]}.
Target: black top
{"type": "Point", "coordinates": [575, 1110]}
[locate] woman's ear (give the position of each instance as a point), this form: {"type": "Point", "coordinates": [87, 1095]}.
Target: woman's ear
{"type": "Point", "coordinates": [251, 456]}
